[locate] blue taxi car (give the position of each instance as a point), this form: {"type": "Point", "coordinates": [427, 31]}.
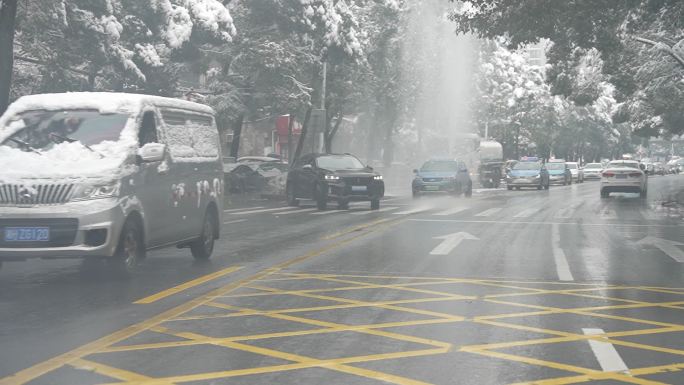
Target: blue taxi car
{"type": "Point", "coordinates": [529, 172]}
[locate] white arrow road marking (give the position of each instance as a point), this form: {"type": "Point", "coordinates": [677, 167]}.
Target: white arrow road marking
{"type": "Point", "coordinates": [608, 214]}
{"type": "Point", "coordinates": [265, 210]}
{"type": "Point", "coordinates": [562, 267]}
{"type": "Point", "coordinates": [526, 213]}
{"type": "Point", "coordinates": [666, 246]}
{"type": "Point", "coordinates": [453, 211]}
{"type": "Point", "coordinates": [489, 212]}
{"type": "Point", "coordinates": [605, 353]}
{"type": "Point", "coordinates": [450, 242]}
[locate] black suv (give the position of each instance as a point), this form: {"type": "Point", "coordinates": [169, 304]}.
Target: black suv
{"type": "Point", "coordinates": [333, 177]}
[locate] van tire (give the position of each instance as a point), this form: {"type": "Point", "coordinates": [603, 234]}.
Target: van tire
{"type": "Point", "coordinates": [131, 247]}
{"type": "Point", "coordinates": [203, 247]}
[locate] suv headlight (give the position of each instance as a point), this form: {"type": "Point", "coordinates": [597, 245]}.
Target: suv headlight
{"type": "Point", "coordinates": [99, 191]}
{"type": "Point", "coordinates": [332, 178]}
{"type": "Point", "coordinates": [378, 177]}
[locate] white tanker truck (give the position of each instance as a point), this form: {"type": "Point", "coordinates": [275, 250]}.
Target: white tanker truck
{"type": "Point", "coordinates": [483, 157]}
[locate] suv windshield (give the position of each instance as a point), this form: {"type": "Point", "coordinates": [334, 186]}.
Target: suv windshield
{"type": "Point", "coordinates": [440, 165]}
{"type": "Point", "coordinates": [339, 162]}
{"type": "Point", "coordinates": [42, 129]}
{"type": "Point", "coordinates": [594, 165]}
{"type": "Point", "coordinates": [527, 166]}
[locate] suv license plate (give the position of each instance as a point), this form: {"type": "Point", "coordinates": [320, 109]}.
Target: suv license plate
{"type": "Point", "coordinates": [27, 234]}
{"type": "Point", "coordinates": [359, 188]}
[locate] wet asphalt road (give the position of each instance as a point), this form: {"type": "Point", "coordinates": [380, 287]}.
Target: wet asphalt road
{"type": "Point", "coordinates": [554, 286]}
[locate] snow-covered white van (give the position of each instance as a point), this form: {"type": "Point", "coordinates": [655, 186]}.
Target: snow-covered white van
{"type": "Point", "coordinates": [108, 175]}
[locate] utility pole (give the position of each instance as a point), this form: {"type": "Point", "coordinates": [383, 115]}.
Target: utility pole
{"type": "Point", "coordinates": [8, 15]}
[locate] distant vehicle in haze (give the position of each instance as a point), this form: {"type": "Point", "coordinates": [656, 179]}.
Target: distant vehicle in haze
{"type": "Point", "coordinates": [333, 177]}
{"type": "Point", "coordinates": [675, 166]}
{"type": "Point", "coordinates": [658, 168]}
{"type": "Point", "coordinates": [559, 173]}
{"type": "Point", "coordinates": [529, 172]}
{"type": "Point", "coordinates": [442, 176]}
{"type": "Point", "coordinates": [593, 171]}
{"type": "Point", "coordinates": [482, 157]}
{"type": "Point", "coordinates": [624, 176]}
{"type": "Point", "coordinates": [108, 175]}
{"type": "Point", "coordinates": [576, 171]}
{"type": "Point", "coordinates": [257, 159]}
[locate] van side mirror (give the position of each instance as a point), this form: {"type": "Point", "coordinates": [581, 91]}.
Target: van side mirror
{"type": "Point", "coordinates": [152, 152]}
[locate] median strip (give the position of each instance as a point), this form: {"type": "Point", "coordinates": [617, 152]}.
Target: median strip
{"type": "Point", "coordinates": [187, 285]}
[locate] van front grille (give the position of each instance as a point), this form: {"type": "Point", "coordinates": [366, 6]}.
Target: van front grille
{"type": "Point", "coordinates": [37, 194]}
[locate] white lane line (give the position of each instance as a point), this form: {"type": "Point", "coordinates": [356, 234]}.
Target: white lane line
{"type": "Point", "coordinates": [327, 212]}
{"type": "Point", "coordinates": [243, 209]}
{"type": "Point", "coordinates": [236, 221]}
{"type": "Point", "coordinates": [489, 212]}
{"type": "Point", "coordinates": [411, 211]}
{"type": "Point", "coordinates": [526, 213]}
{"type": "Point", "coordinates": [295, 211]}
{"type": "Point", "coordinates": [605, 353]}
{"type": "Point", "coordinates": [382, 210]}
{"type": "Point", "coordinates": [265, 210]}
{"type": "Point", "coordinates": [453, 211]}
{"type": "Point", "coordinates": [562, 267]}
{"type": "Point", "coordinates": [538, 223]}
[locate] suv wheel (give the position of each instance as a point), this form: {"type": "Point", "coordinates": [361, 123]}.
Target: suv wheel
{"type": "Point", "coordinates": [469, 191]}
{"type": "Point", "coordinates": [291, 198]}
{"type": "Point", "coordinates": [375, 204]}
{"type": "Point", "coordinates": [604, 194]}
{"type": "Point", "coordinates": [131, 248]}
{"type": "Point", "coordinates": [343, 204]}
{"type": "Point", "coordinates": [202, 248]}
{"type": "Point", "coordinates": [643, 194]}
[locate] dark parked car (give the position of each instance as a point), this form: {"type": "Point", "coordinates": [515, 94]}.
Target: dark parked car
{"type": "Point", "coordinates": [442, 176]}
{"type": "Point", "coordinates": [333, 177]}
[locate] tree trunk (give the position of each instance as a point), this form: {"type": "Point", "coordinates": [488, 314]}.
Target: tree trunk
{"type": "Point", "coordinates": [302, 136]}
{"type": "Point", "coordinates": [237, 133]}
{"type": "Point", "coordinates": [330, 135]}
{"type": "Point", "coordinates": [8, 15]}
{"type": "Point", "coordinates": [290, 126]}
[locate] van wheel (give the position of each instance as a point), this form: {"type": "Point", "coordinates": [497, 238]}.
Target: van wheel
{"type": "Point", "coordinates": [469, 191]}
{"type": "Point", "coordinates": [131, 248]}
{"type": "Point", "coordinates": [202, 248]}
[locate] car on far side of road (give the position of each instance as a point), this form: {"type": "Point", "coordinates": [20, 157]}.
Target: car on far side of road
{"type": "Point", "coordinates": [624, 176]}
{"type": "Point", "coordinates": [529, 173]}
{"type": "Point", "coordinates": [576, 172]}
{"type": "Point", "coordinates": [333, 177]}
{"type": "Point", "coordinates": [658, 168]}
{"type": "Point", "coordinates": [442, 176]}
{"type": "Point", "coordinates": [593, 171]}
{"type": "Point", "coordinates": [559, 173]}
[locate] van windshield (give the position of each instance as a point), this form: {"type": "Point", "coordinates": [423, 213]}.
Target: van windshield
{"type": "Point", "coordinates": [40, 130]}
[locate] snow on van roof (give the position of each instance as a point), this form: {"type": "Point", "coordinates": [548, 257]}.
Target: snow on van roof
{"type": "Point", "coordinates": [105, 102]}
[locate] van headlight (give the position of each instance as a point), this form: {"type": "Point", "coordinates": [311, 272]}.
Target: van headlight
{"type": "Point", "coordinates": [98, 191]}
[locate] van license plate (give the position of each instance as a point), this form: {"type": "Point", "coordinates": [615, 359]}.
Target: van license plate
{"type": "Point", "coordinates": [27, 234]}
{"type": "Point", "coordinates": [359, 188]}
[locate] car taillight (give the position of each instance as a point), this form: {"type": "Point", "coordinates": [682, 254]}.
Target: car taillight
{"type": "Point", "coordinates": [635, 174]}
{"type": "Point", "coordinates": [608, 174]}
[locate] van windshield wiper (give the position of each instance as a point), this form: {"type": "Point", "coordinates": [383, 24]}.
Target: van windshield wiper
{"type": "Point", "coordinates": [67, 139]}
{"type": "Point", "coordinates": [25, 145]}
